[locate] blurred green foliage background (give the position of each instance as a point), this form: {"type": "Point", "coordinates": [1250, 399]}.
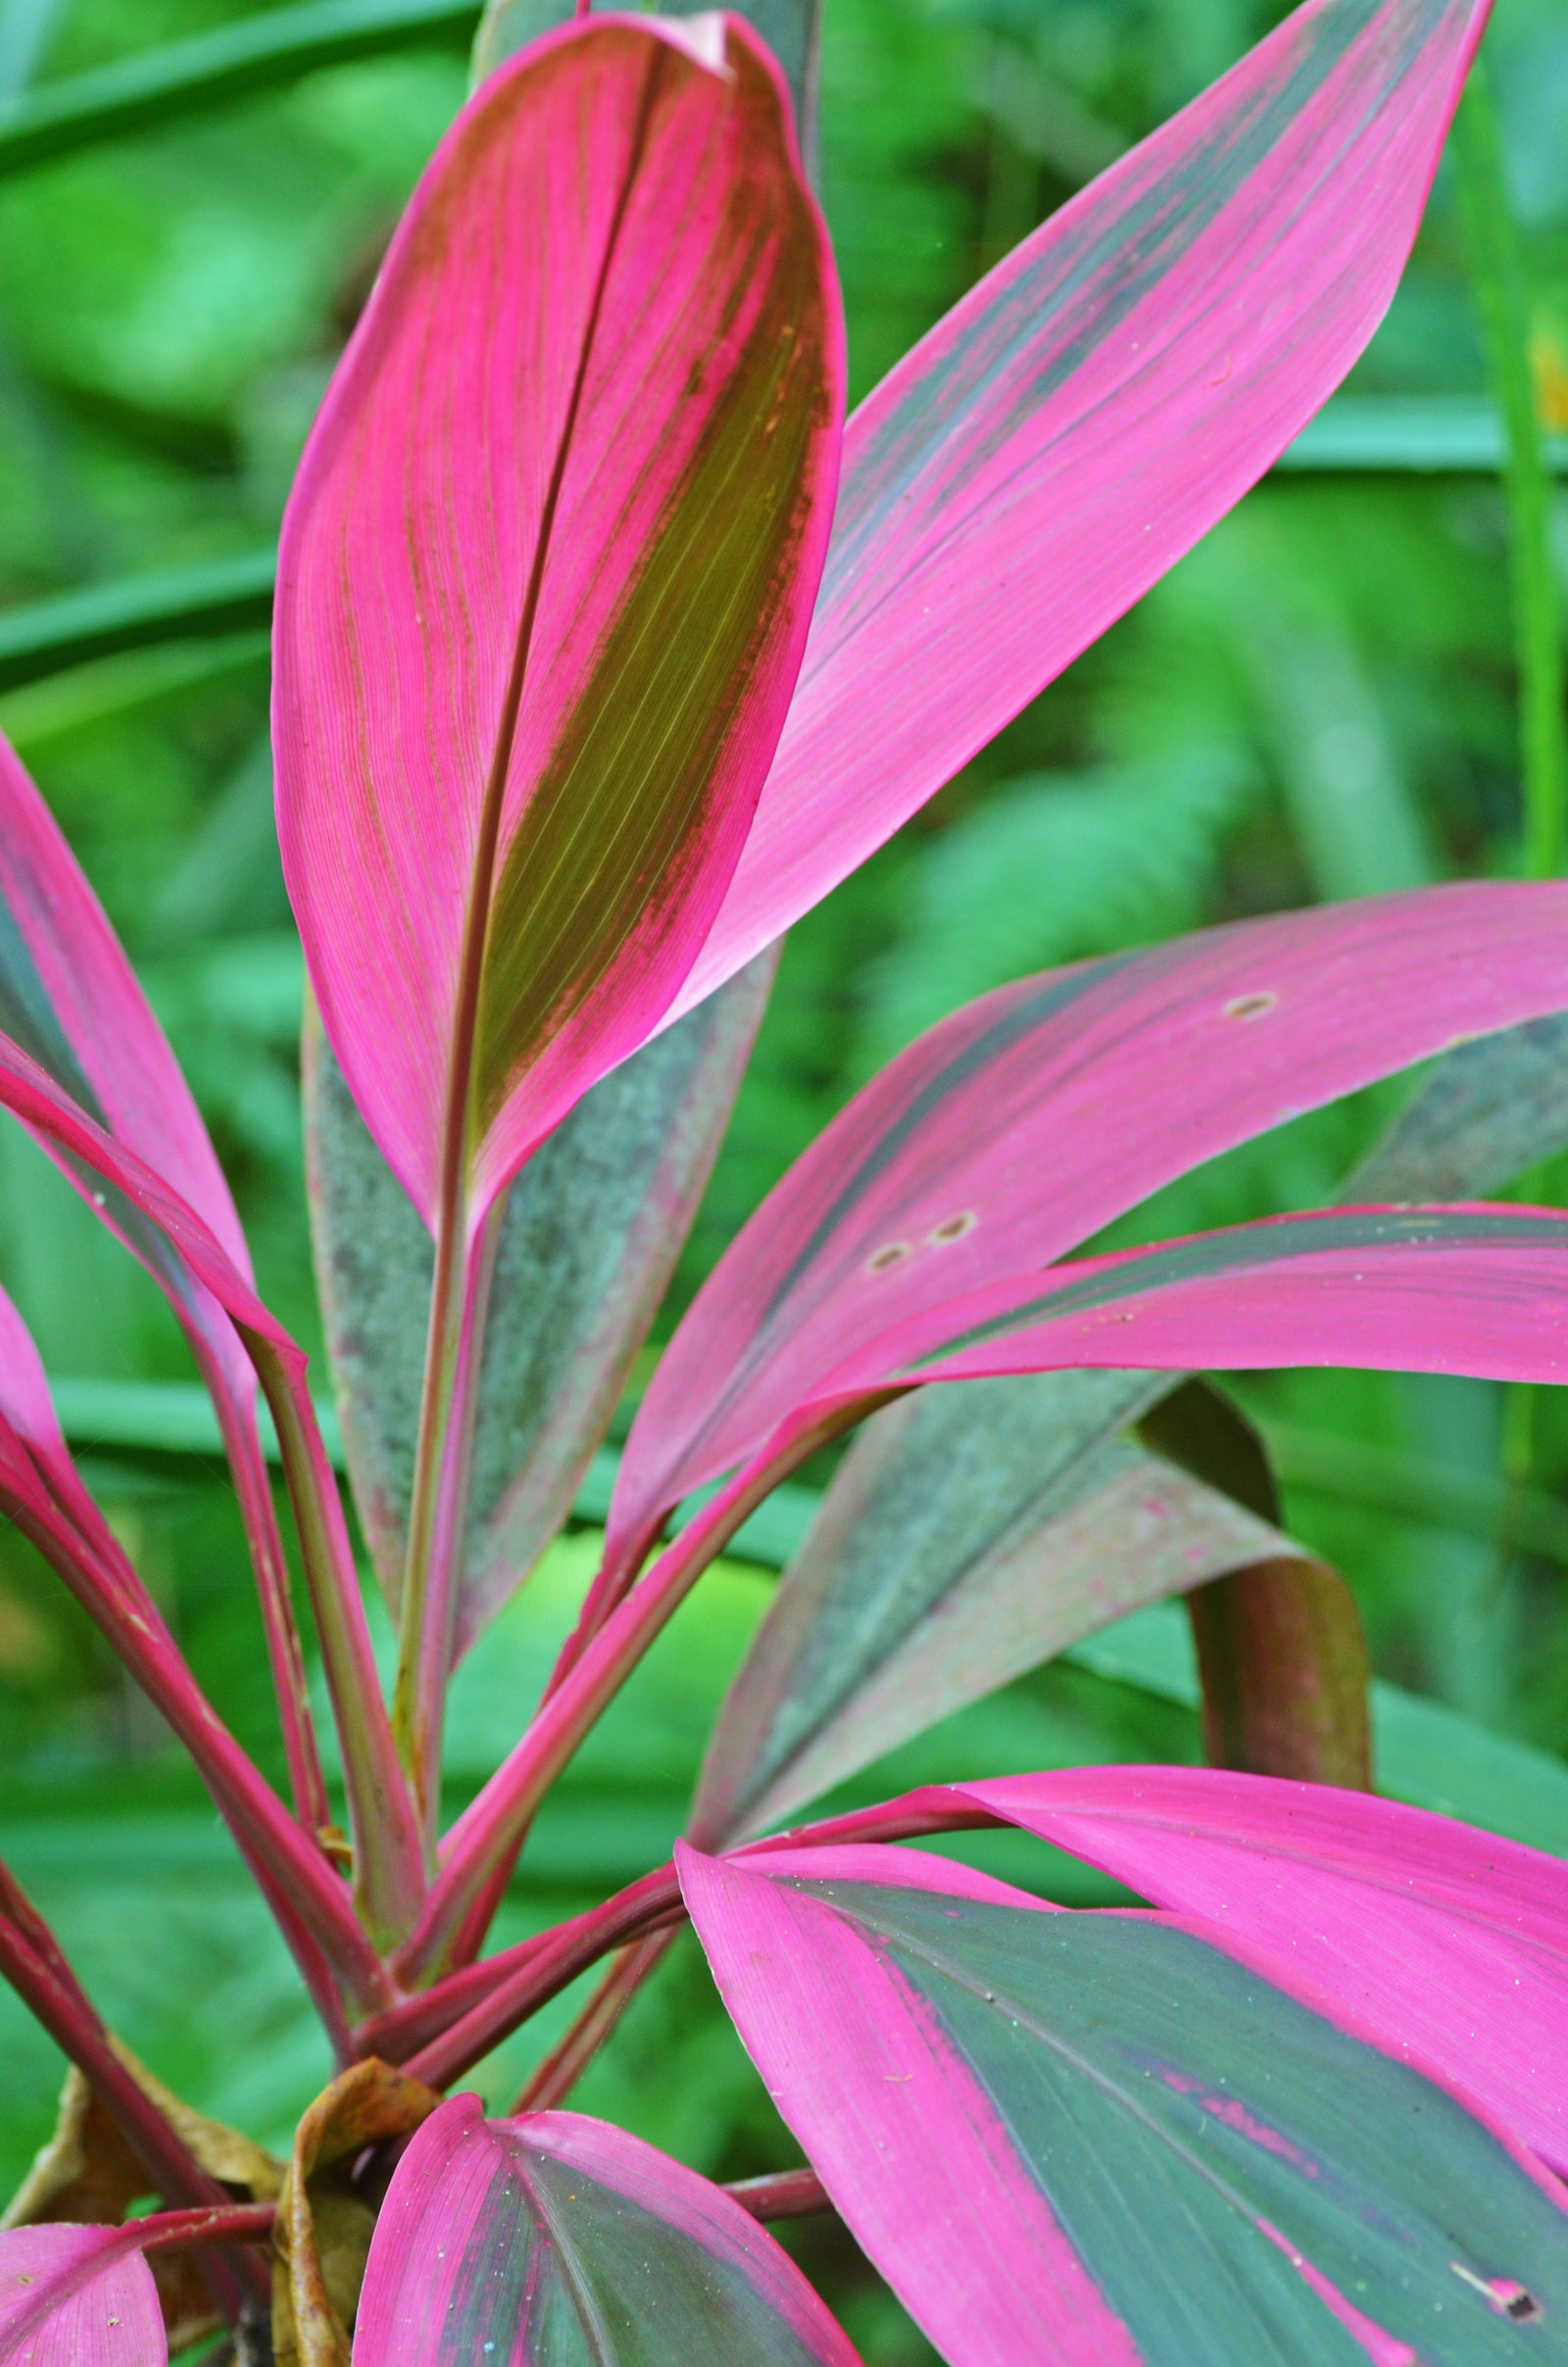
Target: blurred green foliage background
{"type": "Point", "coordinates": [1319, 702]}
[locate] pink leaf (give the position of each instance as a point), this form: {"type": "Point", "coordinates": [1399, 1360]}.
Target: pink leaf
{"type": "Point", "coordinates": [556, 2237]}
{"type": "Point", "coordinates": [544, 583]}
{"type": "Point", "coordinates": [1451, 1942]}
{"type": "Point", "coordinates": [1017, 1128]}
{"type": "Point", "coordinates": [62, 2306]}
{"type": "Point", "coordinates": [71, 1000]}
{"type": "Point", "coordinates": [1084, 415]}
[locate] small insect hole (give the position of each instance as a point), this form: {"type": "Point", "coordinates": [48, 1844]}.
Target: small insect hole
{"type": "Point", "coordinates": [954, 1228]}
{"type": "Point", "coordinates": [892, 1253]}
{"type": "Point", "coordinates": [1249, 1006]}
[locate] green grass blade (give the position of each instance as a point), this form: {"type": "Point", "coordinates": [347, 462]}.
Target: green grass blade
{"type": "Point", "coordinates": [181, 604]}
{"type": "Point", "coordinates": [273, 47]}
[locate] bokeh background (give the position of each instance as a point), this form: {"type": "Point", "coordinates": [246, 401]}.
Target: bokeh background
{"type": "Point", "coordinates": [1320, 703]}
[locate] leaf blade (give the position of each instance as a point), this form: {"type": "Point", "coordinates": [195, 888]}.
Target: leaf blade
{"type": "Point", "coordinates": [562, 2239]}
{"type": "Point", "coordinates": [1124, 2146]}
{"type": "Point", "coordinates": [1086, 413]}
{"type": "Point", "coordinates": [985, 1148]}
{"type": "Point", "coordinates": [603, 644]}
{"type": "Point", "coordinates": [1451, 1942]}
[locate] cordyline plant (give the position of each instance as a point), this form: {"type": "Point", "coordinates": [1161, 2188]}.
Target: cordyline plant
{"type": "Point", "coordinates": [605, 649]}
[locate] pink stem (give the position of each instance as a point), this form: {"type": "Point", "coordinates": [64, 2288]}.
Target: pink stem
{"type": "Point", "coordinates": [483, 2010]}
{"type": "Point", "coordinates": [388, 1856]}
{"type": "Point", "coordinates": [307, 1899]}
{"type": "Point", "coordinates": [782, 2195]}
{"type": "Point", "coordinates": [437, 1513]}
{"type": "Point", "coordinates": [487, 1838]}
{"type": "Point", "coordinates": [32, 1962]}
{"type": "Point", "coordinates": [253, 1488]}
{"type": "Point", "coordinates": [552, 2081]}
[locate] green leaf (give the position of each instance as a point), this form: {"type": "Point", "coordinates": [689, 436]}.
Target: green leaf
{"type": "Point", "coordinates": [1488, 1111]}
{"type": "Point", "coordinates": [592, 1230]}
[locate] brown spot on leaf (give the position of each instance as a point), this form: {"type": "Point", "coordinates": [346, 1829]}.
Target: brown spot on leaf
{"type": "Point", "coordinates": [954, 1228]}
{"type": "Point", "coordinates": [1249, 1006]}
{"type": "Point", "coordinates": [892, 1253]}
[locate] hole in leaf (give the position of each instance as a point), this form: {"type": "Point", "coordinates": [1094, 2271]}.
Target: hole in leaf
{"type": "Point", "coordinates": [1249, 1006]}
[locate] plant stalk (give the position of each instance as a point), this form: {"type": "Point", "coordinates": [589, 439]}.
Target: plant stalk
{"type": "Point", "coordinates": [388, 1862]}
{"type": "Point", "coordinates": [33, 1962]}
{"type": "Point", "coordinates": [307, 1899]}
{"type": "Point", "coordinates": [1500, 289]}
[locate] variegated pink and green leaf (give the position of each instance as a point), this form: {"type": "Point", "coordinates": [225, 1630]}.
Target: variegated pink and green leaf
{"type": "Point", "coordinates": [1451, 1943]}
{"type": "Point", "coordinates": [1085, 415]}
{"type": "Point", "coordinates": [545, 582]}
{"type": "Point", "coordinates": [555, 2241]}
{"type": "Point", "coordinates": [70, 999]}
{"type": "Point", "coordinates": [590, 1235]}
{"type": "Point", "coordinates": [970, 1534]}
{"type": "Point", "coordinates": [1098, 2139]}
{"type": "Point", "coordinates": [77, 2296]}
{"type": "Point", "coordinates": [1017, 1128]}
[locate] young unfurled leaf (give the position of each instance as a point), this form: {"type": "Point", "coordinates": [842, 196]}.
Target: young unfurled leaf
{"type": "Point", "coordinates": [969, 1534]}
{"type": "Point", "coordinates": [544, 581]}
{"type": "Point", "coordinates": [70, 999]}
{"type": "Point", "coordinates": [1084, 415]}
{"type": "Point", "coordinates": [1017, 1128]}
{"type": "Point", "coordinates": [1097, 2140]}
{"type": "Point", "coordinates": [564, 2242]}
{"type": "Point", "coordinates": [63, 2304]}
{"type": "Point", "coordinates": [591, 1233]}
{"type": "Point", "coordinates": [1449, 1942]}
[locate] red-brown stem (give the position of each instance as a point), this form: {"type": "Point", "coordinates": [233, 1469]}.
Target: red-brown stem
{"type": "Point", "coordinates": [482, 1845]}
{"type": "Point", "coordinates": [483, 2003]}
{"type": "Point", "coordinates": [253, 1488]}
{"type": "Point", "coordinates": [308, 1900]}
{"type": "Point", "coordinates": [434, 1565]}
{"type": "Point", "coordinates": [388, 1856]}
{"type": "Point", "coordinates": [552, 2081]}
{"type": "Point", "coordinates": [782, 2195]}
{"type": "Point", "coordinates": [31, 1961]}
{"type": "Point", "coordinates": [176, 2231]}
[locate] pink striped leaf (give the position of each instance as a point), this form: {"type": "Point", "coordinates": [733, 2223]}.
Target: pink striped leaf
{"type": "Point", "coordinates": [1448, 1942]}
{"type": "Point", "coordinates": [1084, 415]}
{"type": "Point", "coordinates": [64, 2304]}
{"type": "Point", "coordinates": [545, 582]}
{"type": "Point", "coordinates": [1097, 2140]}
{"type": "Point", "coordinates": [71, 1000]}
{"type": "Point", "coordinates": [1015, 1129]}
{"type": "Point", "coordinates": [555, 2241]}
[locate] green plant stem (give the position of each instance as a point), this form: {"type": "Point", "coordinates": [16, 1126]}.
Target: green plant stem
{"type": "Point", "coordinates": [1501, 297]}
{"type": "Point", "coordinates": [272, 47]}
